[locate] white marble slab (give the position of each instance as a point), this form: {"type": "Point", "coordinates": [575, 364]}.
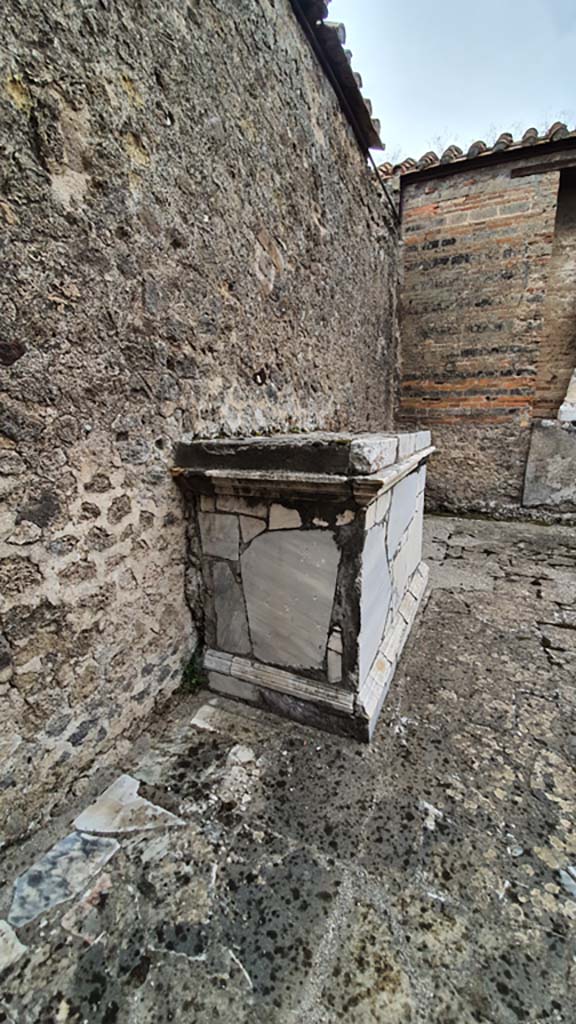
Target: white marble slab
{"type": "Point", "coordinates": [401, 510]}
{"type": "Point", "coordinates": [120, 809]}
{"type": "Point", "coordinates": [375, 596]}
{"type": "Point", "coordinates": [289, 580]}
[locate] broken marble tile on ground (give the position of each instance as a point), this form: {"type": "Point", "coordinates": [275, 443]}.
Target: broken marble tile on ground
{"type": "Point", "coordinates": [121, 809]}
{"type": "Point", "coordinates": [60, 874]}
{"type": "Point", "coordinates": [84, 918]}
{"type": "Point", "coordinates": [11, 949]}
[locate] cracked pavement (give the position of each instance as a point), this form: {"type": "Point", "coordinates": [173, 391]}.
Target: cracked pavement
{"type": "Point", "coordinates": [429, 878]}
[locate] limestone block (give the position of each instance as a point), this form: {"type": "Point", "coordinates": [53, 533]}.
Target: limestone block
{"type": "Point", "coordinates": [207, 503]}
{"type": "Point", "coordinates": [551, 467]}
{"type": "Point", "coordinates": [368, 456]}
{"type": "Point", "coordinates": [220, 535]}
{"type": "Point", "coordinates": [375, 596]}
{"type": "Point", "coordinates": [231, 625]}
{"type": "Point", "coordinates": [401, 510]}
{"type": "Point", "coordinates": [282, 518]}
{"type": "Point", "coordinates": [289, 582]}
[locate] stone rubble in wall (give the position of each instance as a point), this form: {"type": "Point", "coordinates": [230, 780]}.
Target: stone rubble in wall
{"type": "Point", "coordinates": [567, 411]}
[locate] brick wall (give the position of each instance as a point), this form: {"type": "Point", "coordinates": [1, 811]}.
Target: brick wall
{"type": "Point", "coordinates": [477, 248]}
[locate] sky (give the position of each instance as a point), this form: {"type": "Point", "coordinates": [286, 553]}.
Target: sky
{"type": "Point", "coordinates": [451, 71]}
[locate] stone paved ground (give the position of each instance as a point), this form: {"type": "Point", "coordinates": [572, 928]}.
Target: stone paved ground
{"type": "Point", "coordinates": [424, 879]}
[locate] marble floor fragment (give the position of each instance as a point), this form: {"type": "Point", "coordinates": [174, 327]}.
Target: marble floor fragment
{"type": "Point", "coordinates": [11, 949]}
{"type": "Point", "coordinates": [120, 809]}
{"type": "Point", "coordinates": [59, 875]}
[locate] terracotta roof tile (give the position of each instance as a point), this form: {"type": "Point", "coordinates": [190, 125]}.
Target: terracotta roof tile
{"type": "Point", "coordinates": [453, 154]}
{"type": "Point", "coordinates": [328, 39]}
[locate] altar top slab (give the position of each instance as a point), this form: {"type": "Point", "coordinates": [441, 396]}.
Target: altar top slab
{"type": "Point", "coordinates": [340, 454]}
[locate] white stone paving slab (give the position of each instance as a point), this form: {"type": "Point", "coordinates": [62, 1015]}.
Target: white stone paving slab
{"type": "Point", "coordinates": [65, 870]}
{"type": "Point", "coordinates": [120, 809]}
{"type": "Point", "coordinates": [289, 581]}
{"type": "Point", "coordinates": [11, 949]}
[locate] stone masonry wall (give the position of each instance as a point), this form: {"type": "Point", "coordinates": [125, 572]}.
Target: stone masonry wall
{"type": "Point", "coordinates": [181, 201]}
{"type": "Point", "coordinates": [557, 355]}
{"type": "Point", "coordinates": [477, 249]}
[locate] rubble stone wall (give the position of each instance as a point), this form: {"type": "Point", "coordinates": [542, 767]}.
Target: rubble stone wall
{"type": "Point", "coordinates": [181, 204]}
{"type": "Point", "coordinates": [557, 356]}
{"type": "Point", "coordinates": [477, 253]}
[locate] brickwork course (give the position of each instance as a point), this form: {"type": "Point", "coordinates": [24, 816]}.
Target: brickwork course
{"type": "Point", "coordinates": [488, 337]}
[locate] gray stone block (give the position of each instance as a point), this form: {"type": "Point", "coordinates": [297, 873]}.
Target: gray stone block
{"type": "Point", "coordinates": [231, 625]}
{"type": "Point", "coordinates": [551, 467]}
{"type": "Point", "coordinates": [220, 535]}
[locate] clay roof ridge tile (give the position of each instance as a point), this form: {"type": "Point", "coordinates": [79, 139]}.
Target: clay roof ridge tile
{"type": "Point", "coordinates": [531, 137]}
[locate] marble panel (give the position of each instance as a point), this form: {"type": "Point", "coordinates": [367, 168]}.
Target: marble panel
{"type": "Point", "coordinates": [282, 518]}
{"type": "Point", "coordinates": [401, 510]}
{"type": "Point", "coordinates": [289, 581]}
{"type": "Point", "coordinates": [220, 535]}
{"type": "Point", "coordinates": [231, 624]}
{"type": "Point", "coordinates": [250, 528]}
{"type": "Point", "coordinates": [375, 596]}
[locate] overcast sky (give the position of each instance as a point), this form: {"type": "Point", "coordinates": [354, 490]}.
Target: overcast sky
{"type": "Point", "coordinates": [456, 71]}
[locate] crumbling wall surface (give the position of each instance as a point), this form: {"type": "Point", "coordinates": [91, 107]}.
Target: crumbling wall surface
{"type": "Point", "coordinates": [477, 247]}
{"type": "Point", "coordinates": [191, 243]}
{"type": "Point", "coordinates": [557, 356]}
